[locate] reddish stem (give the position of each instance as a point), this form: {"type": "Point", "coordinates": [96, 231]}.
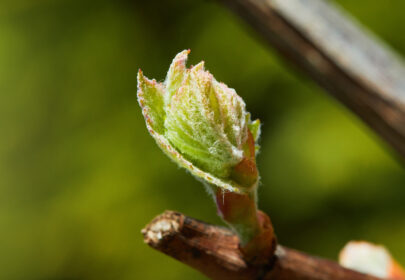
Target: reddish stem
{"type": "Point", "coordinates": [253, 227]}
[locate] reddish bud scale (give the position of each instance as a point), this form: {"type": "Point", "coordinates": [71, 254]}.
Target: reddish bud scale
{"type": "Point", "coordinates": [245, 173]}
{"type": "Point", "coordinates": [261, 248]}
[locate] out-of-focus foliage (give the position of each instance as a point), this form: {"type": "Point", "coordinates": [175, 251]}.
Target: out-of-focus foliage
{"type": "Point", "coordinates": [80, 176]}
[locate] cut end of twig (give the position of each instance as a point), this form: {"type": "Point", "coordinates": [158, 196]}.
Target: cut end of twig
{"type": "Point", "coordinates": [162, 228]}
{"type": "Point", "coordinates": [212, 250]}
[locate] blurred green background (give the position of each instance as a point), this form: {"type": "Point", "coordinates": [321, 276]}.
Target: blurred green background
{"type": "Point", "coordinates": [80, 176]}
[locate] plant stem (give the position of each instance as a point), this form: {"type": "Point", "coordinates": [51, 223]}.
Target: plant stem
{"type": "Point", "coordinates": [253, 227]}
{"type": "Point", "coordinates": [239, 210]}
{"type": "Point", "coordinates": [214, 251]}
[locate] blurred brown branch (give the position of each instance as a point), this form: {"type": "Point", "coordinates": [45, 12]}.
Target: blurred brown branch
{"type": "Point", "coordinates": [214, 251]}
{"type": "Point", "coordinates": [341, 56]}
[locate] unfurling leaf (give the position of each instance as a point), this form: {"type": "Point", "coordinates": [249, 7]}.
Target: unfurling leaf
{"type": "Point", "coordinates": [202, 125]}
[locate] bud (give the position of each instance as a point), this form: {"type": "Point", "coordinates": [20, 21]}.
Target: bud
{"type": "Point", "coordinates": [202, 125]}
{"type": "Point", "coordinates": [370, 259]}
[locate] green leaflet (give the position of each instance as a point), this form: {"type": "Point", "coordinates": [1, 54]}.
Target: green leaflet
{"type": "Point", "coordinates": [254, 128]}
{"type": "Point", "coordinates": [150, 97]}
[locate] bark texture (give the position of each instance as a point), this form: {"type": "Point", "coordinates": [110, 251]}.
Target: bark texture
{"type": "Point", "coordinates": [214, 251]}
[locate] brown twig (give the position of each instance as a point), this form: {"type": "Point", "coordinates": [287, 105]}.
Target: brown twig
{"type": "Point", "coordinates": [214, 251]}
{"type": "Point", "coordinates": [336, 52]}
